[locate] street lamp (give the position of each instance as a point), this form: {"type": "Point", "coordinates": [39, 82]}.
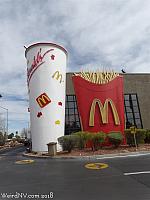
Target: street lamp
{"type": "Point", "coordinates": [7, 117]}
{"type": "Point", "coordinates": [7, 113]}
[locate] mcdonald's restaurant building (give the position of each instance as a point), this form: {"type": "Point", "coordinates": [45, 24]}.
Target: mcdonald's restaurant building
{"type": "Point", "coordinates": [136, 102]}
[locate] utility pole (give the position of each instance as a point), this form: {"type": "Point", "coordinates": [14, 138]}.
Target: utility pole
{"type": "Point", "coordinates": [6, 115]}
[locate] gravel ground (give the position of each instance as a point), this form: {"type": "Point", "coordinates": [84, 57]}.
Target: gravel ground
{"type": "Point", "coordinates": [107, 150]}
{"type": "Point", "coordinates": [103, 151]}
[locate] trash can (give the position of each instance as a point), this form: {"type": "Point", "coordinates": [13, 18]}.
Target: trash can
{"type": "Point", "coordinates": [52, 149]}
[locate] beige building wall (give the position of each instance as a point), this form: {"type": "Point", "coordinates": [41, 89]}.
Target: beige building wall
{"type": "Point", "coordinates": [133, 83]}
{"type": "Point", "coordinates": [140, 84]}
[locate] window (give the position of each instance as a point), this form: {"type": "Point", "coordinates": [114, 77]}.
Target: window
{"type": "Point", "coordinates": [72, 121]}
{"type": "Point", "coordinates": [132, 113]}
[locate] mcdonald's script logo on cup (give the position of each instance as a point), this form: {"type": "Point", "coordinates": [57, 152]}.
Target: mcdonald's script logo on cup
{"type": "Point", "coordinates": [58, 76]}
{"type": "Point", "coordinates": [43, 100]}
{"type": "Point", "coordinates": [103, 111]}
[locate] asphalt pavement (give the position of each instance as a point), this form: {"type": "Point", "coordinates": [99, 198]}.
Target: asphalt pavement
{"type": "Point", "coordinates": [125, 178]}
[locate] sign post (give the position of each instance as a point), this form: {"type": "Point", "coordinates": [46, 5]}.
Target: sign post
{"type": "Point", "coordinates": [133, 131]}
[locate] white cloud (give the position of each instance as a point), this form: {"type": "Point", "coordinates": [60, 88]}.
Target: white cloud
{"type": "Point", "coordinates": [98, 33]}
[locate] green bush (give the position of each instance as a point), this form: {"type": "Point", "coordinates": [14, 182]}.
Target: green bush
{"type": "Point", "coordinates": [140, 136]}
{"type": "Point", "coordinates": [2, 139]}
{"type": "Point", "coordinates": [67, 142]}
{"type": "Point", "coordinates": [20, 140]}
{"type": "Point", "coordinates": [10, 136]}
{"type": "Point", "coordinates": [81, 139]}
{"type": "Point", "coordinates": [147, 136]}
{"type": "Point", "coordinates": [115, 138]}
{"type": "Point", "coordinates": [97, 139]}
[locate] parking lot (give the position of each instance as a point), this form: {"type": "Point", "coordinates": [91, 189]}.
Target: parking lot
{"type": "Point", "coordinates": [125, 178]}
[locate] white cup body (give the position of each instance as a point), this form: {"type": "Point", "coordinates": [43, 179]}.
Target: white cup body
{"type": "Point", "coordinates": [46, 69]}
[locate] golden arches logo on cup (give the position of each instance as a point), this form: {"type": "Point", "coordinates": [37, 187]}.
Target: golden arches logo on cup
{"type": "Point", "coordinates": [43, 100]}
{"type": "Point", "coordinates": [58, 76]}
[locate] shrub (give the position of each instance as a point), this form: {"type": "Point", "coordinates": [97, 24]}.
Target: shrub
{"type": "Point", "coordinates": [115, 138]}
{"type": "Point", "coordinates": [81, 138]}
{"type": "Point", "coordinates": [67, 142]}
{"type": "Point", "coordinates": [97, 139]}
{"type": "Point", "coordinates": [2, 139]}
{"type": "Point", "coordinates": [140, 136]}
{"type": "Point", "coordinates": [147, 136]}
{"type": "Point", "coordinates": [34, 152]}
{"type": "Point", "coordinates": [10, 136]}
{"type": "Point", "coordinates": [20, 140]}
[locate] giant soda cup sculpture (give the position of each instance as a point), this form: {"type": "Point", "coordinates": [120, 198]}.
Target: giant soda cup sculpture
{"type": "Point", "coordinates": [46, 77]}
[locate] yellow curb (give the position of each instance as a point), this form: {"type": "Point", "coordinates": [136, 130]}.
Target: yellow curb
{"type": "Point", "coordinates": [24, 161]}
{"type": "Point", "coordinates": [96, 166]}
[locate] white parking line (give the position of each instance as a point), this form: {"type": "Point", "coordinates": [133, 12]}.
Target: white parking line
{"type": "Point", "coordinates": [124, 156]}
{"type": "Point", "coordinates": [133, 173]}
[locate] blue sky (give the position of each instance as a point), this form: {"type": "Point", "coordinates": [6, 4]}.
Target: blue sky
{"type": "Point", "coordinates": [97, 34]}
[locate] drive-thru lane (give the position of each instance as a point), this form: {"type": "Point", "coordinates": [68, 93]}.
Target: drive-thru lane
{"type": "Point", "coordinates": [67, 179]}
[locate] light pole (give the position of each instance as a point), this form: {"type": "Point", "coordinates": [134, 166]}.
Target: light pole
{"type": "Point", "coordinates": [7, 117]}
